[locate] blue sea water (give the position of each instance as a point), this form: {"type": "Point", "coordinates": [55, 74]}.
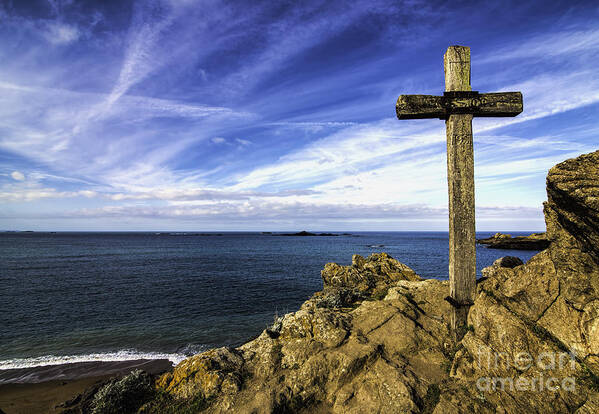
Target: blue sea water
{"type": "Point", "coordinates": [69, 297]}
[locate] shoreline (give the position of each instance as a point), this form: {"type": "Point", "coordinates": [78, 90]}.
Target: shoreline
{"type": "Point", "coordinates": [41, 389]}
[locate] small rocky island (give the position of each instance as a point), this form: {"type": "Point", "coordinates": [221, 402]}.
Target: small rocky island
{"type": "Point", "coordinates": [304, 233]}
{"type": "Point", "coordinates": [376, 339]}
{"type": "Point", "coordinates": [536, 241]}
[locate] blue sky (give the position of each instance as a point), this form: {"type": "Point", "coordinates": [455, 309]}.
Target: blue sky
{"type": "Point", "coordinates": [279, 115]}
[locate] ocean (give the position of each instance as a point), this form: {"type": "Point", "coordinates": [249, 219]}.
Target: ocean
{"type": "Point", "coordinates": [85, 297]}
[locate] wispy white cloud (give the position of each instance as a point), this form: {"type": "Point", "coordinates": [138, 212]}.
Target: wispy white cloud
{"type": "Point", "coordinates": [267, 210]}
{"type": "Point", "coordinates": [18, 176]}
{"type": "Point", "coordinates": [196, 194]}
{"type": "Point", "coordinates": [243, 142]}
{"type": "Point", "coordinates": [149, 22]}
{"type": "Point", "coordinates": [548, 45]}
{"type": "Point", "coordinates": [313, 124]}
{"type": "Point", "coordinates": [277, 211]}
{"type": "Point", "coordinates": [240, 143]}
{"type": "Point", "coordinates": [218, 140]}
{"type": "Point", "coordinates": [549, 94]}
{"type": "Point", "coordinates": [339, 153]}
{"type": "Point", "coordinates": [35, 194]}
{"type": "Point", "coordinates": [54, 137]}
{"type": "Point", "coordinates": [60, 33]}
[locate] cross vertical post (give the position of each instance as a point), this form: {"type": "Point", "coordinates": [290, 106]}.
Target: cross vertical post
{"type": "Point", "coordinates": [460, 179]}
{"type": "Point", "coordinates": [458, 105]}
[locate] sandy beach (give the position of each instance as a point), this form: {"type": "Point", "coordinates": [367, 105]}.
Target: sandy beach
{"type": "Point", "coordinates": [42, 389]}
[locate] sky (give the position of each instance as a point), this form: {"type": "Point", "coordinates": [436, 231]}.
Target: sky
{"type": "Point", "coordinates": [280, 115]}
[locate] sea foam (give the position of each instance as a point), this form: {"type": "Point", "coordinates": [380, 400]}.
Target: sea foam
{"type": "Point", "coordinates": [123, 355]}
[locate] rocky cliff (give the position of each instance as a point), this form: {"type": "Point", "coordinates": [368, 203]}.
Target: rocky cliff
{"type": "Point", "coordinates": [377, 338]}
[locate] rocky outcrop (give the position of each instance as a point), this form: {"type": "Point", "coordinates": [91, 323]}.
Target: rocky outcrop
{"type": "Point", "coordinates": [377, 338]}
{"type": "Point", "coordinates": [379, 269]}
{"type": "Point", "coordinates": [113, 396]}
{"type": "Point", "coordinates": [572, 209]}
{"type": "Point", "coordinates": [535, 241]}
{"type": "Point", "coordinates": [370, 356]}
{"type": "Point", "coordinates": [547, 308]}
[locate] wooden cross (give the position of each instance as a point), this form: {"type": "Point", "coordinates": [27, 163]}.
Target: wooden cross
{"type": "Point", "coordinates": [457, 106]}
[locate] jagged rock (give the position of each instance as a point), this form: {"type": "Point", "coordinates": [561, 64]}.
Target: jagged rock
{"type": "Point", "coordinates": [337, 297]}
{"type": "Point", "coordinates": [82, 403]}
{"type": "Point", "coordinates": [508, 261]}
{"type": "Point", "coordinates": [207, 374]}
{"type": "Point", "coordinates": [572, 209]}
{"type": "Point", "coordinates": [350, 361]}
{"type": "Point", "coordinates": [591, 406]}
{"type": "Point", "coordinates": [535, 241]}
{"type": "Point", "coordinates": [112, 396]}
{"type": "Point", "coordinates": [366, 274]}
{"type": "Point", "coordinates": [364, 278]}
{"type": "Point", "coordinates": [550, 304]}
{"type": "Point", "coordinates": [125, 395]}
{"type": "Point", "coordinates": [377, 338]}
{"type": "Point", "coordinates": [571, 265]}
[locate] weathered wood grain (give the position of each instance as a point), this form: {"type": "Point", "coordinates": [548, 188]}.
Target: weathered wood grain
{"type": "Point", "coordinates": [496, 104]}
{"type": "Point", "coordinates": [478, 105]}
{"type": "Point", "coordinates": [460, 177]}
{"type": "Point", "coordinates": [456, 63]}
{"type": "Point", "coordinates": [420, 107]}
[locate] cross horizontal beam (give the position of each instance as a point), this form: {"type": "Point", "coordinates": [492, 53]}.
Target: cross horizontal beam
{"type": "Point", "coordinates": [461, 102]}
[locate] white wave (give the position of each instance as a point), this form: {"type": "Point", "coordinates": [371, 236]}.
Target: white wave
{"type": "Point", "coordinates": [124, 355]}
